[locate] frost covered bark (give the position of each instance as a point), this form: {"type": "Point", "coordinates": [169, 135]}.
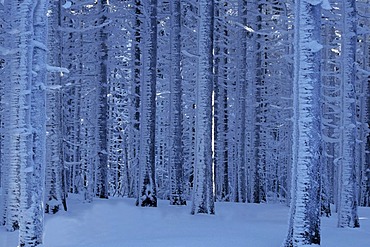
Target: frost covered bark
{"type": "Point", "coordinates": [347, 214]}
{"type": "Point", "coordinates": [221, 166]}
{"type": "Point", "coordinates": [33, 172]}
{"type": "Point", "coordinates": [240, 194]}
{"type": "Point", "coordinates": [101, 173]}
{"type": "Point", "coordinates": [189, 46]}
{"type": "Point", "coordinates": [176, 151]}
{"type": "Point", "coordinates": [203, 201]}
{"type": "Point", "coordinates": [10, 157]}
{"type": "Point", "coordinates": [55, 195]}
{"type": "Point", "coordinates": [148, 43]}
{"type": "Point", "coordinates": [120, 159]}
{"type": "Point", "coordinates": [27, 119]}
{"type": "Point", "coordinates": [251, 79]}
{"type": "Point", "coordinates": [304, 225]}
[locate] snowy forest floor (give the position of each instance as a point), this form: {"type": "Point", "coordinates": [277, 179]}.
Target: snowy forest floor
{"type": "Point", "coordinates": [117, 222]}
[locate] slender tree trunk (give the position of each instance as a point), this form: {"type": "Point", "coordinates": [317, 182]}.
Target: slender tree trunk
{"type": "Point", "coordinates": [203, 201]}
{"type": "Point", "coordinates": [101, 177]}
{"type": "Point", "coordinates": [55, 195]}
{"type": "Point", "coordinates": [175, 152]}
{"type": "Point", "coordinates": [347, 215]}
{"type": "Point", "coordinates": [221, 111]}
{"type": "Point", "coordinates": [147, 186]}
{"type": "Point", "coordinates": [241, 94]}
{"type": "Point", "coordinates": [10, 163]}
{"type": "Point", "coordinates": [304, 226]}
{"type": "Point", "coordinates": [250, 115]}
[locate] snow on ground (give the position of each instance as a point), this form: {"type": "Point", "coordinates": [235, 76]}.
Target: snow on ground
{"type": "Point", "coordinates": [118, 223]}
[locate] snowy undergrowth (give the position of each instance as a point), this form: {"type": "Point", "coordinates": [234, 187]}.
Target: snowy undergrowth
{"type": "Point", "coordinates": [117, 222]}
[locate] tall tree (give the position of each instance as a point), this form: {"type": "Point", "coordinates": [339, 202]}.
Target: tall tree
{"type": "Point", "coordinates": [240, 194]}
{"type": "Point", "coordinates": [304, 225]}
{"type": "Point", "coordinates": [221, 36]}
{"type": "Point", "coordinates": [33, 170]}
{"type": "Point", "coordinates": [120, 77]}
{"type": "Point", "coordinates": [203, 199]}
{"type": "Point", "coordinates": [9, 174]}
{"type": "Point", "coordinates": [175, 152]}
{"type": "Point", "coordinates": [55, 194]}
{"type": "Point", "coordinates": [189, 46]}
{"type": "Point", "coordinates": [347, 214]}
{"type": "Point", "coordinates": [251, 80]}
{"type": "Point", "coordinates": [163, 104]}
{"type": "Point", "coordinates": [70, 99]}
{"type": "Point", "coordinates": [363, 60]}
{"type": "Point", "coordinates": [101, 175]}
{"type": "Point", "coordinates": [147, 20]}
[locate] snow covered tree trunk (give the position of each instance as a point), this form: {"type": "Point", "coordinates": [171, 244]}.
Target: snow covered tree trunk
{"type": "Point", "coordinates": [27, 133]}
{"type": "Point", "coordinates": [189, 44]}
{"type": "Point", "coordinates": [15, 128]}
{"type": "Point", "coordinates": [304, 225]}
{"type": "Point", "coordinates": [364, 80]}
{"type": "Point", "coordinates": [203, 199]}
{"type": "Point", "coordinates": [9, 169]}
{"type": "Point", "coordinates": [250, 115]}
{"type": "Point", "coordinates": [147, 187]}
{"type": "Point", "coordinates": [135, 92]}
{"type": "Point", "coordinates": [163, 100]}
{"type": "Point", "coordinates": [88, 112]}
{"type": "Point", "coordinates": [347, 214]}
{"type": "Point", "coordinates": [241, 107]}
{"type": "Point", "coordinates": [175, 152]}
{"type": "Point", "coordinates": [119, 105]}
{"type": "Point", "coordinates": [4, 77]}
{"type": "Point", "coordinates": [221, 149]}
{"type": "Point", "coordinates": [260, 90]}
{"type": "Point", "coordinates": [55, 196]}
{"type": "Point", "coordinates": [33, 172]}
{"type": "Point", "coordinates": [72, 84]}
{"type": "Point", "coordinates": [330, 114]}
{"type": "Point", "coordinates": [101, 176]}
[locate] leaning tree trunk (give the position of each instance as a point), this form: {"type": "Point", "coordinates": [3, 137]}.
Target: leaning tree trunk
{"type": "Point", "coordinates": [304, 227]}
{"type": "Point", "coordinates": [203, 201]}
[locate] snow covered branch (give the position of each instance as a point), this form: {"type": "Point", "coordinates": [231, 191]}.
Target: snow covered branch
{"type": "Point", "coordinates": [81, 30]}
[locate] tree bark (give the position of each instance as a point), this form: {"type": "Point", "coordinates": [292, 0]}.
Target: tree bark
{"type": "Point", "coordinates": [203, 201]}
{"type": "Point", "coordinates": [304, 225]}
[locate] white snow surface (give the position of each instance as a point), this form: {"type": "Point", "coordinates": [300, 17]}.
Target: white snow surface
{"type": "Point", "coordinates": [326, 5]}
{"type": "Point", "coordinates": [67, 5]}
{"type": "Point", "coordinates": [118, 222]}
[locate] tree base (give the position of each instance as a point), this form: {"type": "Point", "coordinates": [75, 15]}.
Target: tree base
{"type": "Point", "coordinates": [147, 202]}
{"type": "Point", "coordinates": [177, 200]}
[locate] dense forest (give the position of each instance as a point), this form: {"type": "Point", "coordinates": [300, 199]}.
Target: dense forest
{"type": "Point", "coordinates": [190, 101]}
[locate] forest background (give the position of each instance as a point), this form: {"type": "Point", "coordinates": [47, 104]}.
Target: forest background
{"type": "Point", "coordinates": [201, 101]}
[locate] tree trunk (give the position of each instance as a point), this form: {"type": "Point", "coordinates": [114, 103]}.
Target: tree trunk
{"type": "Point", "coordinates": [147, 186]}
{"type": "Point", "coordinates": [203, 201]}
{"type": "Point", "coordinates": [101, 176]}
{"type": "Point", "coordinates": [175, 152]}
{"type": "Point", "coordinates": [347, 215]}
{"type": "Point", "coordinates": [304, 226]}
{"type": "Point", "coordinates": [55, 195]}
